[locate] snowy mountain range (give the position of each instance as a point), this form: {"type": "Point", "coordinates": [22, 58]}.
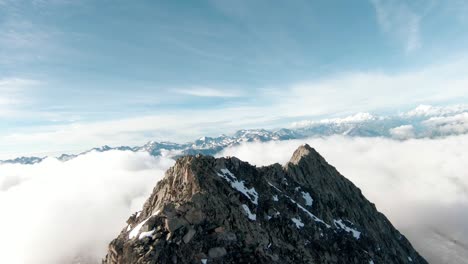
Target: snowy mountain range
{"type": "Point", "coordinates": [422, 122]}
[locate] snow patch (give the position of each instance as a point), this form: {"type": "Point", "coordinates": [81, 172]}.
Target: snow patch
{"type": "Point", "coordinates": [298, 222]}
{"type": "Point", "coordinates": [146, 234]}
{"type": "Point", "coordinates": [239, 185]}
{"type": "Point", "coordinates": [204, 261]}
{"type": "Point", "coordinates": [308, 199]}
{"type": "Point", "coordinates": [135, 231]}
{"type": "Point", "coordinates": [251, 216]}
{"type": "Point", "coordinates": [275, 198]}
{"type": "Point", "coordinates": [316, 219]}
{"type": "Point", "coordinates": [340, 224]}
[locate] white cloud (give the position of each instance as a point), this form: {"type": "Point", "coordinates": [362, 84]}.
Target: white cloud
{"type": "Point", "coordinates": [179, 126]}
{"type": "Point", "coordinates": [429, 110]}
{"type": "Point", "coordinates": [447, 125]}
{"type": "Point", "coordinates": [337, 95]}
{"type": "Point", "coordinates": [366, 91]}
{"type": "Point", "coordinates": [54, 211]}
{"type": "Point", "coordinates": [402, 132]}
{"type": "Point", "coordinates": [208, 92]}
{"type": "Point", "coordinates": [420, 184]}
{"type": "Point", "coordinates": [356, 118]}
{"type": "Point", "coordinates": [399, 21]}
{"type": "Point", "coordinates": [12, 94]}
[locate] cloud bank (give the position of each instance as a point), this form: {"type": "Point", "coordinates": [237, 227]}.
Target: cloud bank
{"type": "Point", "coordinates": [421, 185]}
{"type": "Point", "coordinates": [56, 212]}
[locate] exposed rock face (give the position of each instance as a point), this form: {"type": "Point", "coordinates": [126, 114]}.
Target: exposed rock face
{"type": "Point", "coordinates": [209, 210]}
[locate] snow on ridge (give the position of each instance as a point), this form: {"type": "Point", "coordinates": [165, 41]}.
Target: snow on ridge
{"type": "Point", "coordinates": [146, 234]}
{"type": "Point", "coordinates": [250, 215]}
{"type": "Point", "coordinates": [339, 223]}
{"type": "Point", "coordinates": [136, 230]}
{"type": "Point", "coordinates": [276, 188]}
{"type": "Point", "coordinates": [239, 185]}
{"type": "Point", "coordinates": [315, 218]}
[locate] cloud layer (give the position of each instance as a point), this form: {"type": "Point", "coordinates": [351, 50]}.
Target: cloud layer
{"type": "Point", "coordinates": [54, 212]}
{"type": "Point", "coordinates": [57, 211]}
{"type": "Point", "coordinates": [421, 185]}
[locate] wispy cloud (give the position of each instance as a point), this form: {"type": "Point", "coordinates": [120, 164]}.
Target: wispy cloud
{"type": "Point", "coordinates": [334, 96]}
{"type": "Point", "coordinates": [396, 19]}
{"type": "Point", "coordinates": [24, 41]}
{"type": "Point", "coordinates": [209, 92]}
{"type": "Point", "coordinates": [179, 126]}
{"type": "Point", "coordinates": [366, 91]}
{"type": "Point", "coordinates": [12, 94]}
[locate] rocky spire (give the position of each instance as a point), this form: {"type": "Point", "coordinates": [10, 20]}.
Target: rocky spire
{"type": "Point", "coordinates": [224, 210]}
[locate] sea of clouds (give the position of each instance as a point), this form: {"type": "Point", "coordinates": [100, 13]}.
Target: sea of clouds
{"type": "Point", "coordinates": [67, 212]}
{"type": "Point", "coordinates": [54, 211]}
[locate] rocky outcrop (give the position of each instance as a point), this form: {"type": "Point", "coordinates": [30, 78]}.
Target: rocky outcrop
{"type": "Point", "coordinates": [224, 210]}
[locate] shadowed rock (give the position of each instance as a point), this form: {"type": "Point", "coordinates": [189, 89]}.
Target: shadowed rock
{"type": "Point", "coordinates": [228, 211]}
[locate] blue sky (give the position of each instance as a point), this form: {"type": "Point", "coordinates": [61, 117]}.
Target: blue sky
{"type": "Point", "coordinates": [76, 74]}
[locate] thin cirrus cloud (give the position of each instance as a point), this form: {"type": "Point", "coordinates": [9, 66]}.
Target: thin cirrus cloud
{"type": "Point", "coordinates": [402, 24]}
{"type": "Point", "coordinates": [367, 91]}
{"type": "Point", "coordinates": [341, 94]}
{"type": "Point", "coordinates": [13, 93]}
{"type": "Point", "coordinates": [23, 41]}
{"type": "Point", "coordinates": [209, 92]}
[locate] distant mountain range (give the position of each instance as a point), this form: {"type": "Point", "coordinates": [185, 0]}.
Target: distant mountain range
{"type": "Point", "coordinates": [422, 122]}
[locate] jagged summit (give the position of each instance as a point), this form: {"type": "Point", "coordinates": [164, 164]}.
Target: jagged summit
{"type": "Point", "coordinates": [208, 210]}
{"type": "Point", "coordinates": [304, 151]}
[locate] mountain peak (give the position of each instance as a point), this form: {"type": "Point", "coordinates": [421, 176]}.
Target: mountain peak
{"type": "Point", "coordinates": [303, 151]}
{"type": "Point", "coordinates": [224, 210]}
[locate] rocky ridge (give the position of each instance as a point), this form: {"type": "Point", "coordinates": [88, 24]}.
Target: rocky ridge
{"type": "Point", "coordinates": [224, 210]}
